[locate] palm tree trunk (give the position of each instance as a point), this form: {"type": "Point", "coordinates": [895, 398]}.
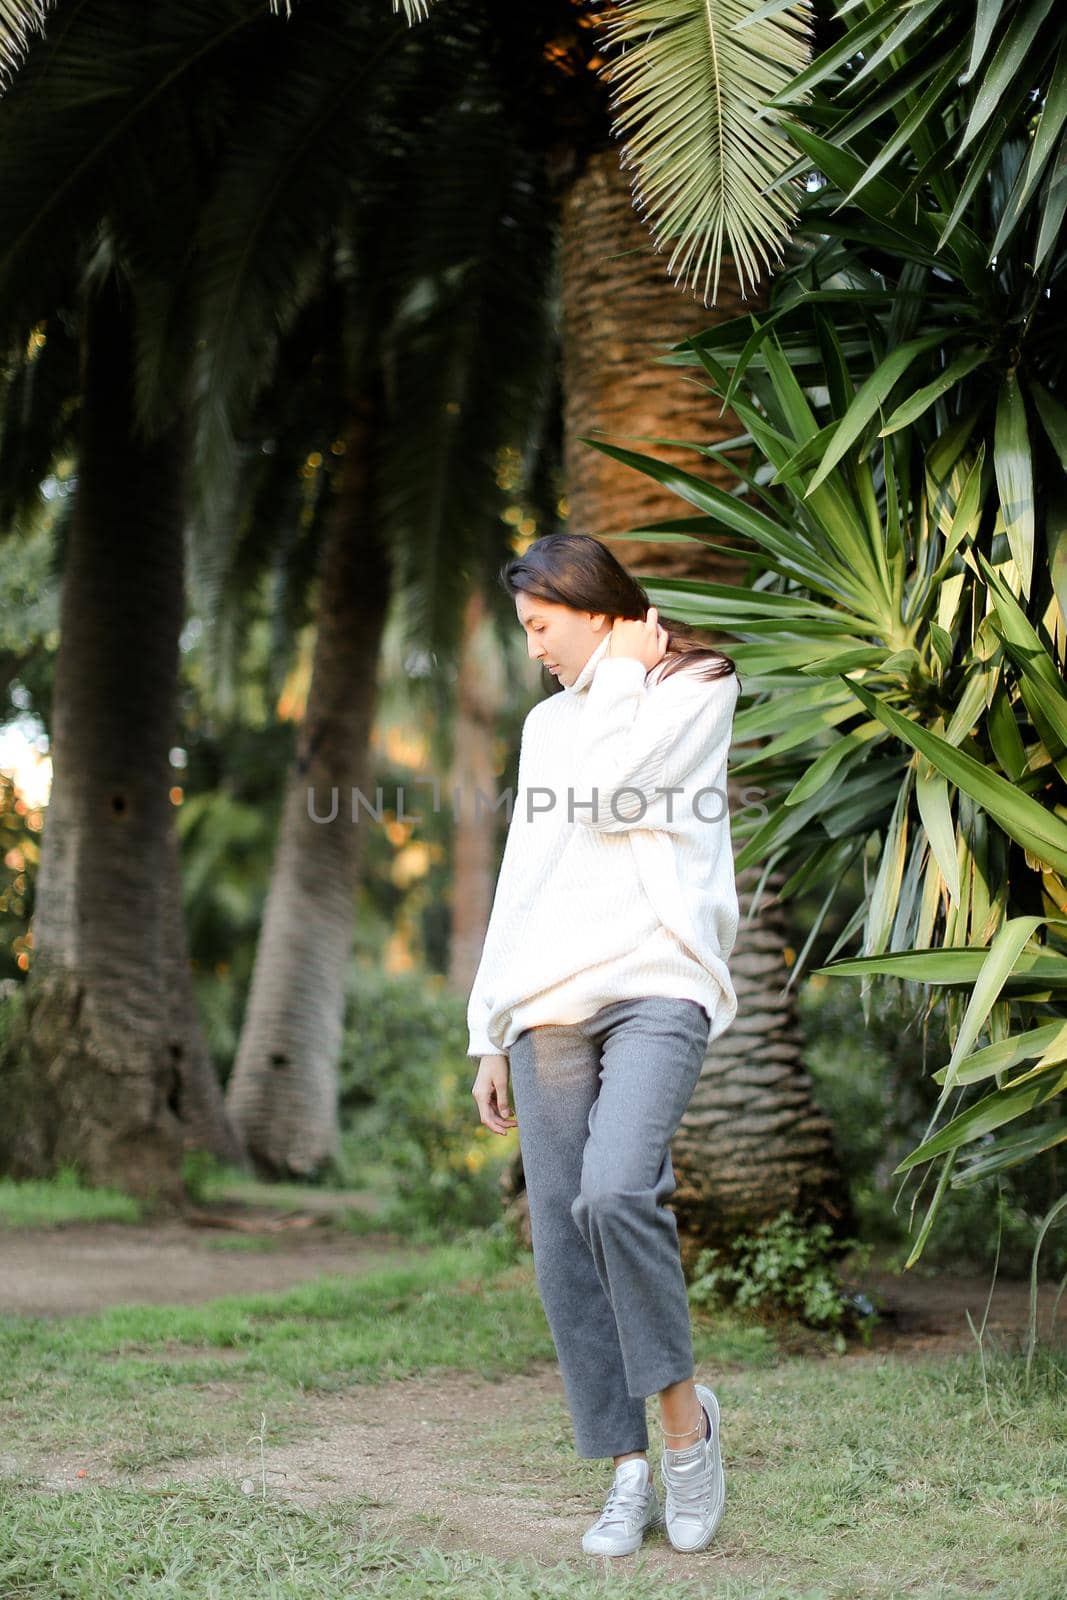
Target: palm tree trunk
{"type": "Point", "coordinates": [620, 312]}
{"type": "Point", "coordinates": [282, 1092]}
{"type": "Point", "coordinates": [473, 774]}
{"type": "Point", "coordinates": [111, 1073]}
{"type": "Point", "coordinates": [752, 1140]}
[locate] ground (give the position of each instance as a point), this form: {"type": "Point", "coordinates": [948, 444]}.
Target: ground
{"type": "Point", "coordinates": [435, 1459]}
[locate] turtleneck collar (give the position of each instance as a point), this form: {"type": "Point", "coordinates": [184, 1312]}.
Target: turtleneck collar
{"type": "Point", "coordinates": [584, 677]}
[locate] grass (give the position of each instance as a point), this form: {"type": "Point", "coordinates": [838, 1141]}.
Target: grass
{"type": "Point", "coordinates": [29, 1203]}
{"type": "Point", "coordinates": [80, 1377]}
{"type": "Point", "coordinates": [50, 1202]}
{"type": "Point", "coordinates": [222, 1544]}
{"type": "Point", "coordinates": [850, 1478]}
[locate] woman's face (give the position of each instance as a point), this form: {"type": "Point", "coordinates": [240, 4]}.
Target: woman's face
{"type": "Point", "coordinates": [558, 636]}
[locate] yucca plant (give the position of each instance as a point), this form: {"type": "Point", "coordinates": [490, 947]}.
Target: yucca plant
{"type": "Point", "coordinates": [904, 647]}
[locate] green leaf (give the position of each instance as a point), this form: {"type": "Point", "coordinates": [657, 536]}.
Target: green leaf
{"type": "Point", "coordinates": [1010, 1152]}
{"type": "Point", "coordinates": [915, 119]}
{"type": "Point", "coordinates": [849, 748]}
{"type": "Point", "coordinates": [1015, 476]}
{"type": "Point", "coordinates": [986, 156]}
{"type": "Point", "coordinates": [915, 17]}
{"type": "Point", "coordinates": [869, 397]}
{"type": "Point", "coordinates": [1056, 539]}
{"type": "Point", "coordinates": [1053, 415]}
{"type": "Point", "coordinates": [879, 200]}
{"type": "Point", "coordinates": [836, 55]}
{"type": "Point", "coordinates": [955, 966]}
{"type": "Point", "coordinates": [1049, 127]}
{"type": "Point", "coordinates": [1030, 824]}
{"type": "Point", "coordinates": [1041, 682]}
{"type": "Point", "coordinates": [933, 1208]}
{"type": "Point", "coordinates": [923, 398]}
{"type": "Point", "coordinates": [931, 795]}
{"type": "Point", "coordinates": [986, 19]}
{"type": "Point", "coordinates": [727, 510]}
{"type": "Point", "coordinates": [1004, 735]}
{"type": "Point", "coordinates": [755, 721]}
{"type": "Point", "coordinates": [1043, 1043]}
{"type": "Point", "coordinates": [1054, 208]}
{"type": "Point", "coordinates": [991, 1112]}
{"type": "Point", "coordinates": [1008, 943]}
{"type": "Point", "coordinates": [1005, 65]}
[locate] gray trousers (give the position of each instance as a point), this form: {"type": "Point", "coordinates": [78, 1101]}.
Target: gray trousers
{"type": "Point", "coordinates": [597, 1103]}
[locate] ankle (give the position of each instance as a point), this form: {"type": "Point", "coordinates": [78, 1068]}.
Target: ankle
{"type": "Point", "coordinates": [681, 1439]}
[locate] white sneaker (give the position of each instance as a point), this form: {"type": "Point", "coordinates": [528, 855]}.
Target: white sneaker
{"type": "Point", "coordinates": [632, 1506]}
{"type": "Point", "coordinates": [695, 1484]}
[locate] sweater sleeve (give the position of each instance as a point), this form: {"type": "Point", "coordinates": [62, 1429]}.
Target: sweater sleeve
{"type": "Point", "coordinates": [479, 1004]}
{"type": "Point", "coordinates": [642, 741]}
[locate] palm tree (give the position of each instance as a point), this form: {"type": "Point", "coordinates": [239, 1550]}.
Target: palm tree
{"type": "Point", "coordinates": [692, 88]}
{"type": "Point", "coordinates": [425, 336]}
{"type": "Point", "coordinates": [691, 85]}
{"type": "Point", "coordinates": [423, 317]}
{"type": "Point", "coordinates": [282, 1093]}
{"type": "Point", "coordinates": [618, 311]}
{"type": "Point", "coordinates": [111, 1071]}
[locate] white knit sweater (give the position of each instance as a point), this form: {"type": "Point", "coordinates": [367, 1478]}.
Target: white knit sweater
{"type": "Point", "coordinates": [635, 897]}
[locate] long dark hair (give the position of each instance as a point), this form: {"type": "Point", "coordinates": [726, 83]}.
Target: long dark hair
{"type": "Point", "coordinates": [574, 569]}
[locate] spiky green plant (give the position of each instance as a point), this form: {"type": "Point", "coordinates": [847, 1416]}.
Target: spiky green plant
{"type": "Point", "coordinates": [905, 644]}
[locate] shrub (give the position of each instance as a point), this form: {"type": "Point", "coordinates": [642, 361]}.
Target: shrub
{"type": "Point", "coordinates": [876, 1087]}
{"type": "Point", "coordinates": [782, 1267]}
{"type": "Point", "coordinates": [410, 1126]}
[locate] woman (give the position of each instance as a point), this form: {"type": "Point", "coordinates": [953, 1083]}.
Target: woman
{"type": "Point", "coordinates": [602, 981]}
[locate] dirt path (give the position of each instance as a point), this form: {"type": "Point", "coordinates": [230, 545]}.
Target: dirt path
{"type": "Point", "coordinates": [423, 1460]}
{"type": "Point", "coordinates": [923, 1316]}
{"type": "Point", "coordinates": [80, 1267]}
{"type": "Point", "coordinates": [85, 1267]}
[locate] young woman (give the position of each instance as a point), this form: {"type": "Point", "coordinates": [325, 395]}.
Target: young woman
{"type": "Point", "coordinates": [602, 981]}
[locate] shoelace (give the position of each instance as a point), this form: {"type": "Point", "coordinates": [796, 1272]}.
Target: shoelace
{"type": "Point", "coordinates": [691, 1491]}
{"type": "Point", "coordinates": [624, 1499]}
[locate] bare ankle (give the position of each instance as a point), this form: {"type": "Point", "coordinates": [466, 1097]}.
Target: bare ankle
{"type": "Point", "coordinates": [681, 1414]}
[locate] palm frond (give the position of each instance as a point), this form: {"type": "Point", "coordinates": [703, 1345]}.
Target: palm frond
{"type": "Point", "coordinates": [39, 409]}
{"type": "Point", "coordinates": [414, 10]}
{"type": "Point", "coordinates": [477, 280]}
{"type": "Point", "coordinates": [689, 94]}
{"type": "Point", "coordinates": [19, 21]}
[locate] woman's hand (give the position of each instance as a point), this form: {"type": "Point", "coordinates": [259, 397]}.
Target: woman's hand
{"type": "Point", "coordinates": [490, 1090]}
{"type": "Point", "coordinates": [644, 641]}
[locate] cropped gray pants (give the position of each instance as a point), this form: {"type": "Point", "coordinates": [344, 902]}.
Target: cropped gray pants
{"type": "Point", "coordinates": [597, 1103]}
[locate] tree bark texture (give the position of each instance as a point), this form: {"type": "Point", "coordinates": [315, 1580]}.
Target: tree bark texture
{"type": "Point", "coordinates": [620, 313]}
